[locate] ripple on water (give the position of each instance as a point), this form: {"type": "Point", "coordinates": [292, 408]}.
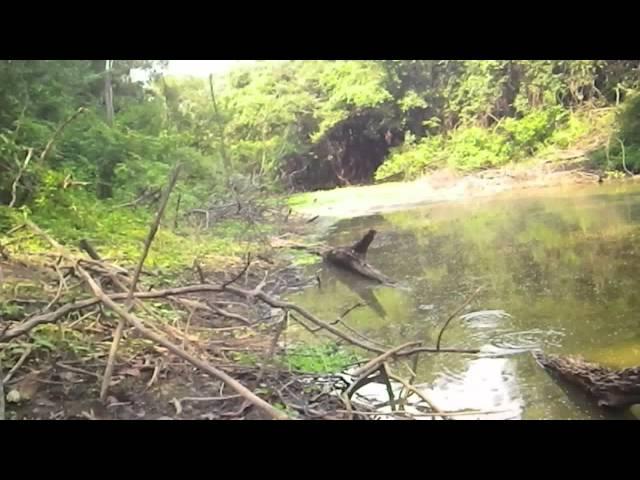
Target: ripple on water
{"type": "Point", "coordinates": [488, 385]}
{"type": "Point", "coordinates": [527, 340]}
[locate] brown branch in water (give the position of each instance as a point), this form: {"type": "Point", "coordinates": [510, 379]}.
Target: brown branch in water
{"type": "Point", "coordinates": [350, 309]}
{"type": "Point", "coordinates": [374, 363]}
{"type": "Point", "coordinates": [384, 374]}
{"type": "Point", "coordinates": [456, 312]}
{"type": "Point", "coordinates": [206, 367]}
{"type": "Point", "coordinates": [147, 245]}
{"type": "Point", "coordinates": [361, 246]}
{"type": "Point", "coordinates": [420, 394]}
{"type": "Point", "coordinates": [14, 185]}
{"type": "Point", "coordinates": [49, 145]}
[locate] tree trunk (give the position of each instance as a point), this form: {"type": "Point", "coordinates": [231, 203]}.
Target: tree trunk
{"type": "Point", "coordinates": [104, 188]}
{"type": "Point", "coordinates": [108, 92]}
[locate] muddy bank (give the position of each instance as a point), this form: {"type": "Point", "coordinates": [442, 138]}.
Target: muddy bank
{"type": "Point", "coordinates": [443, 186]}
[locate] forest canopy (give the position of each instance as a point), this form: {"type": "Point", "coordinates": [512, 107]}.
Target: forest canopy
{"type": "Point", "coordinates": [296, 125]}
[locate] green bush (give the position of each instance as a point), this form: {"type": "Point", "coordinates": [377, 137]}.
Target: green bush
{"type": "Point", "coordinates": [528, 133]}
{"type": "Point", "coordinates": [628, 120]}
{"type": "Point", "coordinates": [474, 147]}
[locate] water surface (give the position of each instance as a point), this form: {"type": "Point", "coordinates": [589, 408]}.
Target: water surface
{"type": "Point", "coordinates": [560, 270]}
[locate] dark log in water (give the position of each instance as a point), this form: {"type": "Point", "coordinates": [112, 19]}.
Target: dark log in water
{"type": "Point", "coordinates": [353, 259]}
{"type": "Point", "coordinates": [611, 388]}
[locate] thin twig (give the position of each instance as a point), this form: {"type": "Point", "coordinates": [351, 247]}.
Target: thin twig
{"type": "Point", "coordinates": [375, 362]}
{"type": "Point", "coordinates": [456, 312]}
{"type": "Point", "coordinates": [233, 316]}
{"type": "Point", "coordinates": [235, 279]}
{"type": "Point", "coordinates": [61, 283]}
{"type": "Point", "coordinates": [175, 219]}
{"type": "Point", "coordinates": [411, 388]}
{"type": "Point", "coordinates": [350, 309]}
{"type": "Point", "coordinates": [18, 364]}
{"type": "Point", "coordinates": [624, 158]}
{"type": "Point", "coordinates": [14, 186]}
{"type": "Point", "coordinates": [198, 268]}
{"type": "Point", "coordinates": [147, 245]}
{"type": "Point", "coordinates": [77, 370]}
{"type": "Point", "coordinates": [47, 149]}
{"type": "Point", "coordinates": [186, 327]}
{"type": "Point", "coordinates": [2, 415]}
{"type": "Point", "coordinates": [156, 371]}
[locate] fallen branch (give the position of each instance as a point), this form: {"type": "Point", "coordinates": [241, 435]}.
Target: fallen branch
{"type": "Point", "coordinates": [414, 390]}
{"type": "Point", "coordinates": [88, 248]}
{"type": "Point", "coordinates": [374, 363]}
{"type": "Point", "coordinates": [137, 323]}
{"type": "Point", "coordinates": [18, 364]}
{"type": "Point", "coordinates": [237, 277]}
{"type": "Point", "coordinates": [14, 186]}
{"type": "Point", "coordinates": [233, 316]}
{"type": "Point", "coordinates": [147, 245]}
{"type": "Point", "coordinates": [54, 316]}
{"type": "Point", "coordinates": [2, 416]}
{"type": "Point", "coordinates": [624, 157]}
{"type": "Point", "coordinates": [55, 135]}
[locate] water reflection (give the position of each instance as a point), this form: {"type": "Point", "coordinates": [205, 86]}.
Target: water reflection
{"type": "Point", "coordinates": [560, 270]}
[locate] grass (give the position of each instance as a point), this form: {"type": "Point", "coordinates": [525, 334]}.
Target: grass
{"type": "Point", "coordinates": [119, 234]}
{"type": "Point", "coordinates": [325, 358]}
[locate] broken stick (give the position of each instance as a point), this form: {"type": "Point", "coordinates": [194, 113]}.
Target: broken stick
{"type": "Point", "coordinates": [147, 245]}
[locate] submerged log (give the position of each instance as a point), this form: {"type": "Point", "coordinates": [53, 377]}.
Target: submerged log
{"type": "Point", "coordinates": [353, 259]}
{"type": "Point", "coordinates": [611, 388]}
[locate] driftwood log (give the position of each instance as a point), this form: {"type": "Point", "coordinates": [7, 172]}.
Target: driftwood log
{"type": "Point", "coordinates": [353, 258]}
{"type": "Point", "coordinates": [610, 388]}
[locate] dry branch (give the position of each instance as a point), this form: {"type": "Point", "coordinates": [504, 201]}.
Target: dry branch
{"type": "Point", "coordinates": [18, 364]}
{"type": "Point", "coordinates": [87, 247]}
{"type": "Point", "coordinates": [456, 312]}
{"type": "Point", "coordinates": [414, 390]}
{"type": "Point", "coordinates": [1, 393]}
{"type": "Point", "coordinates": [137, 323]}
{"type": "Point", "coordinates": [147, 245]}
{"type": "Point", "coordinates": [242, 272]}
{"type": "Point", "coordinates": [374, 363]}
{"type": "Point", "coordinates": [58, 131]}
{"type": "Point", "coordinates": [14, 186]}
{"type": "Point", "coordinates": [269, 300]}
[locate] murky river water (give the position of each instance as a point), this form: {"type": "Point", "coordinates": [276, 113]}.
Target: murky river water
{"type": "Point", "coordinates": [560, 269]}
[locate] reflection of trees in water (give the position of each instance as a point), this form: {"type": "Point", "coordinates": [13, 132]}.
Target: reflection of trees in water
{"type": "Point", "coordinates": [359, 286]}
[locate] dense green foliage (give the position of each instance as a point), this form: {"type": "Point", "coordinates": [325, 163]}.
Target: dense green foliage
{"type": "Point", "coordinates": [293, 124]}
